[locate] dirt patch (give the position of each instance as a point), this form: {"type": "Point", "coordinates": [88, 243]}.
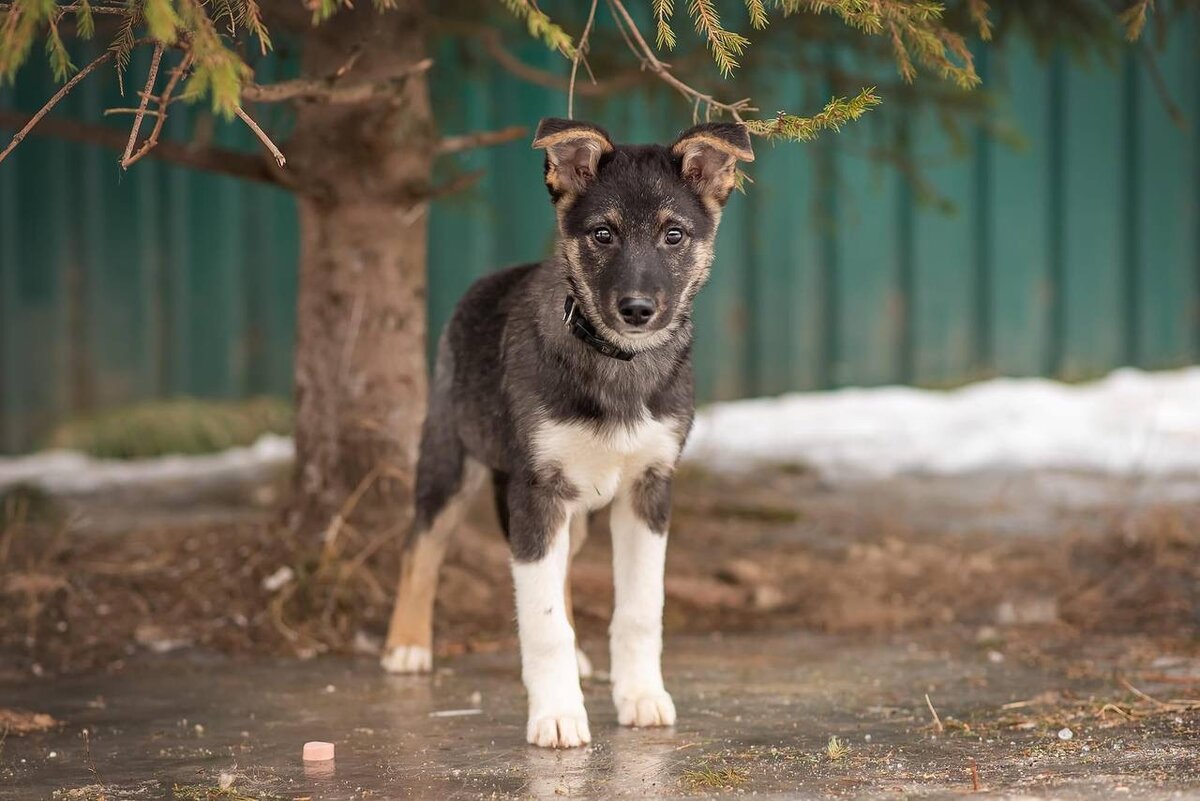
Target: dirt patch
{"type": "Point", "coordinates": [766, 551]}
{"type": "Point", "coordinates": [17, 721]}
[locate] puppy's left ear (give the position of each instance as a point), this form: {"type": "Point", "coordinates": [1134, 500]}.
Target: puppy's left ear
{"type": "Point", "coordinates": [573, 151]}
{"type": "Point", "coordinates": [709, 154]}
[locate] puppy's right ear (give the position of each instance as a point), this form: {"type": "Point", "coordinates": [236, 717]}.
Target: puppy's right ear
{"type": "Point", "coordinates": [573, 150]}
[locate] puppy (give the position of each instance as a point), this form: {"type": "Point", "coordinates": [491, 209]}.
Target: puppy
{"type": "Point", "coordinates": [569, 383]}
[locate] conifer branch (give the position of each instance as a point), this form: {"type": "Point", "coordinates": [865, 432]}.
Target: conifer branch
{"type": "Point", "coordinates": [136, 128]}
{"type": "Point", "coordinates": [261, 134]}
{"type": "Point", "coordinates": [328, 89]}
{"type": "Point", "coordinates": [83, 7]}
{"type": "Point", "coordinates": [540, 26]}
{"type": "Point", "coordinates": [1134, 18]}
{"type": "Point", "coordinates": [646, 54]}
{"type": "Point", "coordinates": [63, 91]}
{"type": "Point", "coordinates": [457, 144]}
{"type": "Point", "coordinates": [164, 100]}
{"type": "Point", "coordinates": [208, 159]}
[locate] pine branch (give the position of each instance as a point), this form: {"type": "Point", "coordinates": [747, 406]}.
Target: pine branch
{"type": "Point", "coordinates": [328, 89]}
{"type": "Point", "coordinates": [208, 159]}
{"type": "Point", "coordinates": [725, 45]}
{"type": "Point", "coordinates": [136, 128]}
{"type": "Point", "coordinates": [758, 14]}
{"type": "Point", "coordinates": [978, 10]}
{"type": "Point", "coordinates": [164, 100]}
{"type": "Point", "coordinates": [540, 26]}
{"type": "Point", "coordinates": [63, 91]}
{"type": "Point", "coordinates": [262, 136]}
{"type": "Point", "coordinates": [1134, 18]}
{"type": "Point", "coordinates": [837, 112]}
{"type": "Point", "coordinates": [643, 52]}
{"type": "Point", "coordinates": [664, 36]}
{"type": "Point", "coordinates": [457, 144]}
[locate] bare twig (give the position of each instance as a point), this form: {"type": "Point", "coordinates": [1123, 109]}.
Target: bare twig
{"type": "Point", "coordinates": [262, 136]}
{"type": "Point", "coordinates": [151, 78]}
{"type": "Point", "coordinates": [937, 721]}
{"type": "Point", "coordinates": [327, 89]}
{"type": "Point", "coordinates": [644, 52]}
{"type": "Point", "coordinates": [493, 45]}
{"type": "Point", "coordinates": [210, 159]}
{"type": "Point", "coordinates": [1160, 87]}
{"type": "Point", "coordinates": [53, 101]}
{"type": "Point", "coordinates": [457, 144]}
{"type": "Point", "coordinates": [579, 53]}
{"type": "Point", "coordinates": [108, 112]}
{"type": "Point", "coordinates": [974, 776]}
{"type": "Point", "coordinates": [97, 9]}
{"type": "Point", "coordinates": [164, 100]}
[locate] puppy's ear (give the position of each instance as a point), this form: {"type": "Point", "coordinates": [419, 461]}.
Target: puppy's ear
{"type": "Point", "coordinates": [573, 150]}
{"type": "Point", "coordinates": [708, 154]}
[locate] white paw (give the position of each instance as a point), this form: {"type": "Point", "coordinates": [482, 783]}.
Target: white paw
{"type": "Point", "coordinates": [569, 730]}
{"type": "Point", "coordinates": [585, 664]}
{"type": "Point", "coordinates": [646, 709]}
{"type": "Point", "coordinates": [407, 659]}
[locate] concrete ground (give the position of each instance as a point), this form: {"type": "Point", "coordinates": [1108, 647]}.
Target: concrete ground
{"type": "Point", "coordinates": [758, 716]}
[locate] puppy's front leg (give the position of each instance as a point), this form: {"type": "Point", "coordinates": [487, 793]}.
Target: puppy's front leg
{"type": "Point", "coordinates": [541, 544]}
{"type": "Point", "coordinates": [639, 542]}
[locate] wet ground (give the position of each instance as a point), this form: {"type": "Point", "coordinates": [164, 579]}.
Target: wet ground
{"type": "Point", "coordinates": [758, 715]}
{"type": "Point", "coordinates": [1029, 635]}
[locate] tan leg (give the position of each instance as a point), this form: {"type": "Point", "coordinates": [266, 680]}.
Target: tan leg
{"type": "Point", "coordinates": [579, 533]}
{"type": "Point", "coordinates": [409, 645]}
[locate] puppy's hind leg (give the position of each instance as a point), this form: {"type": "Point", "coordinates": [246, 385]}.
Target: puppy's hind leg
{"type": "Point", "coordinates": [446, 480]}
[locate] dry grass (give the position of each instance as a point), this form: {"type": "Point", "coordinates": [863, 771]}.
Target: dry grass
{"type": "Point", "coordinates": [836, 748]}
{"type": "Point", "coordinates": [72, 600]}
{"type": "Point", "coordinates": [713, 778]}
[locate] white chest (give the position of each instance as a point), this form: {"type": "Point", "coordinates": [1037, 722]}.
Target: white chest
{"type": "Point", "coordinates": [600, 461]}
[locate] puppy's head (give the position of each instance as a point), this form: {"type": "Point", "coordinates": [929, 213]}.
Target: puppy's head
{"type": "Point", "coordinates": [636, 223]}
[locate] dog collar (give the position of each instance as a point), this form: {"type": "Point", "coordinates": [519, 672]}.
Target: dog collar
{"type": "Point", "coordinates": [578, 325]}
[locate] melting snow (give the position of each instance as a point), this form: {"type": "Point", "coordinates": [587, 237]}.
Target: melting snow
{"type": "Point", "coordinates": [1130, 423]}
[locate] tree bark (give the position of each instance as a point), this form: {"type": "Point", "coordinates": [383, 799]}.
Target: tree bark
{"type": "Point", "coordinates": [363, 174]}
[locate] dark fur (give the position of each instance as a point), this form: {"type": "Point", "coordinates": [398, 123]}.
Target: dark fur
{"type": "Point", "coordinates": [506, 361]}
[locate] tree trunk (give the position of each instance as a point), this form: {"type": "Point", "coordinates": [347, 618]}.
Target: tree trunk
{"type": "Point", "coordinates": [364, 173]}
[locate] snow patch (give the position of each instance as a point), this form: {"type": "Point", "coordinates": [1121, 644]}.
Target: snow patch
{"type": "Point", "coordinates": [62, 472]}
{"type": "Point", "coordinates": [1130, 423]}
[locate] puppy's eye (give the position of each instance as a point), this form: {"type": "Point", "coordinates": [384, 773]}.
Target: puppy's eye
{"type": "Point", "coordinates": [603, 235]}
{"type": "Point", "coordinates": [674, 236]}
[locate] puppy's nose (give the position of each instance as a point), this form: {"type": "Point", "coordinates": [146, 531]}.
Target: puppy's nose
{"type": "Point", "coordinates": [637, 310]}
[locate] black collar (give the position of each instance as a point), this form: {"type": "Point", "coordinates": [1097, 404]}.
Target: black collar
{"type": "Point", "coordinates": [578, 325]}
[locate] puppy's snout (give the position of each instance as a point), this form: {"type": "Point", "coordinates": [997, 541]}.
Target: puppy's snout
{"type": "Point", "coordinates": [637, 310]}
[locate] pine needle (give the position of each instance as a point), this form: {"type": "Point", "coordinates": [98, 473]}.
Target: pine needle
{"type": "Point", "coordinates": [837, 112]}
{"type": "Point", "coordinates": [664, 36]}
{"type": "Point", "coordinates": [540, 26]}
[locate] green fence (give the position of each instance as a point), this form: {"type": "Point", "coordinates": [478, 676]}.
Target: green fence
{"type": "Point", "coordinates": [1067, 257]}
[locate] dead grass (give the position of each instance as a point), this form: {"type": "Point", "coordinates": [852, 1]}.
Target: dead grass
{"type": "Point", "coordinates": [836, 748]}
{"type": "Point", "coordinates": [202, 792]}
{"type": "Point", "coordinates": [713, 778]}
{"type": "Point", "coordinates": [73, 599]}
{"type": "Point", "coordinates": [16, 721]}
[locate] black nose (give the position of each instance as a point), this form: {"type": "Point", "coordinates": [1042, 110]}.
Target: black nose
{"type": "Point", "coordinates": [637, 311]}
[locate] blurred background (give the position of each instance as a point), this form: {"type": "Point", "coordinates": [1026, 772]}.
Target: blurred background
{"type": "Point", "coordinates": [1044, 226]}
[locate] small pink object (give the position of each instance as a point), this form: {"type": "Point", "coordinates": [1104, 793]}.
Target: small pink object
{"type": "Point", "coordinates": [318, 751]}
